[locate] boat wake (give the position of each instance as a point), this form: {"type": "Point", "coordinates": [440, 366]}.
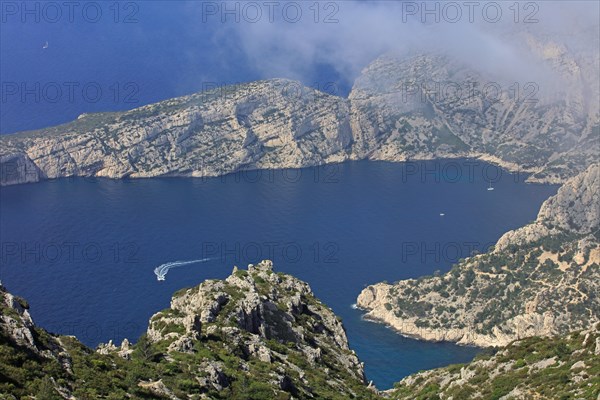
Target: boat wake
{"type": "Point", "coordinates": [162, 270]}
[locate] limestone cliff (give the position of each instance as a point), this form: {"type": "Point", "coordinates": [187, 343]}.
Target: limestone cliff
{"type": "Point", "coordinates": [402, 107]}
{"type": "Point", "coordinates": [540, 280]}
{"type": "Point", "coordinates": [17, 327]}
{"type": "Point", "coordinates": [267, 319]}
{"type": "Point", "coordinates": [25, 346]}
{"type": "Point", "coordinates": [265, 124]}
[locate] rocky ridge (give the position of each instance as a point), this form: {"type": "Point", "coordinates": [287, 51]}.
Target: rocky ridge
{"type": "Point", "coordinates": [402, 107]}
{"type": "Point", "coordinates": [539, 280]}
{"type": "Point", "coordinates": [432, 106]}
{"type": "Point", "coordinates": [24, 345]}
{"type": "Point", "coordinates": [265, 124]}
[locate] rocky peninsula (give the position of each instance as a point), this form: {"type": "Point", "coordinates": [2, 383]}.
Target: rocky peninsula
{"type": "Point", "coordinates": [402, 107]}
{"type": "Point", "coordinates": [539, 280]}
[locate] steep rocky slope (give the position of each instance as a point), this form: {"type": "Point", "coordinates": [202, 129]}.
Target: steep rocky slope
{"type": "Point", "coordinates": [29, 355]}
{"type": "Point", "coordinates": [278, 331]}
{"type": "Point", "coordinates": [539, 280]}
{"type": "Point", "coordinates": [255, 335]}
{"type": "Point", "coordinates": [566, 367]}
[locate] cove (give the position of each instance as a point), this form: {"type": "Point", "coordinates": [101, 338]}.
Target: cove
{"type": "Point", "coordinates": [83, 251]}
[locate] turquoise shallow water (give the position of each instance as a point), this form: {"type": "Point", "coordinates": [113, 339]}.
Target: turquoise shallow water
{"type": "Point", "coordinates": [83, 252]}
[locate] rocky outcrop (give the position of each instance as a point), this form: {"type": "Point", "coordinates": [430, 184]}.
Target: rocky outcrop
{"type": "Point", "coordinates": [266, 317]}
{"type": "Point", "coordinates": [24, 344]}
{"type": "Point", "coordinates": [431, 105]}
{"type": "Point", "coordinates": [16, 323]}
{"type": "Point", "coordinates": [16, 168]}
{"type": "Point", "coordinates": [574, 209]}
{"type": "Point", "coordinates": [539, 280]}
{"type": "Point", "coordinates": [17, 327]}
{"type": "Point", "coordinates": [124, 350]}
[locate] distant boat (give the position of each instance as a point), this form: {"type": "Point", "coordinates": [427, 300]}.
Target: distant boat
{"type": "Point", "coordinates": [490, 188]}
{"type": "Point", "coordinates": [442, 214]}
{"type": "Point", "coordinates": [45, 46]}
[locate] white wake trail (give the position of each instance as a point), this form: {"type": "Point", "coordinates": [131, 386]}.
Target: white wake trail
{"type": "Point", "coordinates": [162, 270]}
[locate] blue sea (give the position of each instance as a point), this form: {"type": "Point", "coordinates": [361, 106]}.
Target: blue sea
{"type": "Point", "coordinates": [83, 251]}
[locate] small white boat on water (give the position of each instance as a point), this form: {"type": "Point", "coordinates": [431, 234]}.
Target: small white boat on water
{"type": "Point", "coordinates": [45, 46]}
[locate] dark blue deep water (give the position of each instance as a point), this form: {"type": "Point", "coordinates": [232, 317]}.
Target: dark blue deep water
{"type": "Point", "coordinates": [83, 251]}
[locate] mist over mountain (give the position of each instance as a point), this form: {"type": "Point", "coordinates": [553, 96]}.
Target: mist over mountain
{"type": "Point", "coordinates": [349, 35]}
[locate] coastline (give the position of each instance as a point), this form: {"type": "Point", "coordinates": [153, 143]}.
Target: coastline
{"type": "Point", "coordinates": [422, 338]}
{"type": "Point", "coordinates": [509, 167]}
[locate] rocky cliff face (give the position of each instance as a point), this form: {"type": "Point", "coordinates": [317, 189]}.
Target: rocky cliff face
{"type": "Point", "coordinates": [256, 335]}
{"type": "Point", "coordinates": [15, 321]}
{"type": "Point", "coordinates": [266, 124]}
{"type": "Point", "coordinates": [24, 346]}
{"type": "Point", "coordinates": [402, 107]}
{"type": "Point", "coordinates": [574, 209]}
{"type": "Point", "coordinates": [576, 206]}
{"type": "Point", "coordinates": [540, 280]}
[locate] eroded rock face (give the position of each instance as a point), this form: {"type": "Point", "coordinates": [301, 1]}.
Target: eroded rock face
{"type": "Point", "coordinates": [430, 106]}
{"type": "Point", "coordinates": [18, 332]}
{"type": "Point", "coordinates": [159, 389]}
{"type": "Point", "coordinates": [124, 350]}
{"type": "Point", "coordinates": [540, 280]}
{"type": "Point", "coordinates": [576, 207]}
{"type": "Point", "coordinates": [16, 168]}
{"type": "Point", "coordinates": [16, 323]}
